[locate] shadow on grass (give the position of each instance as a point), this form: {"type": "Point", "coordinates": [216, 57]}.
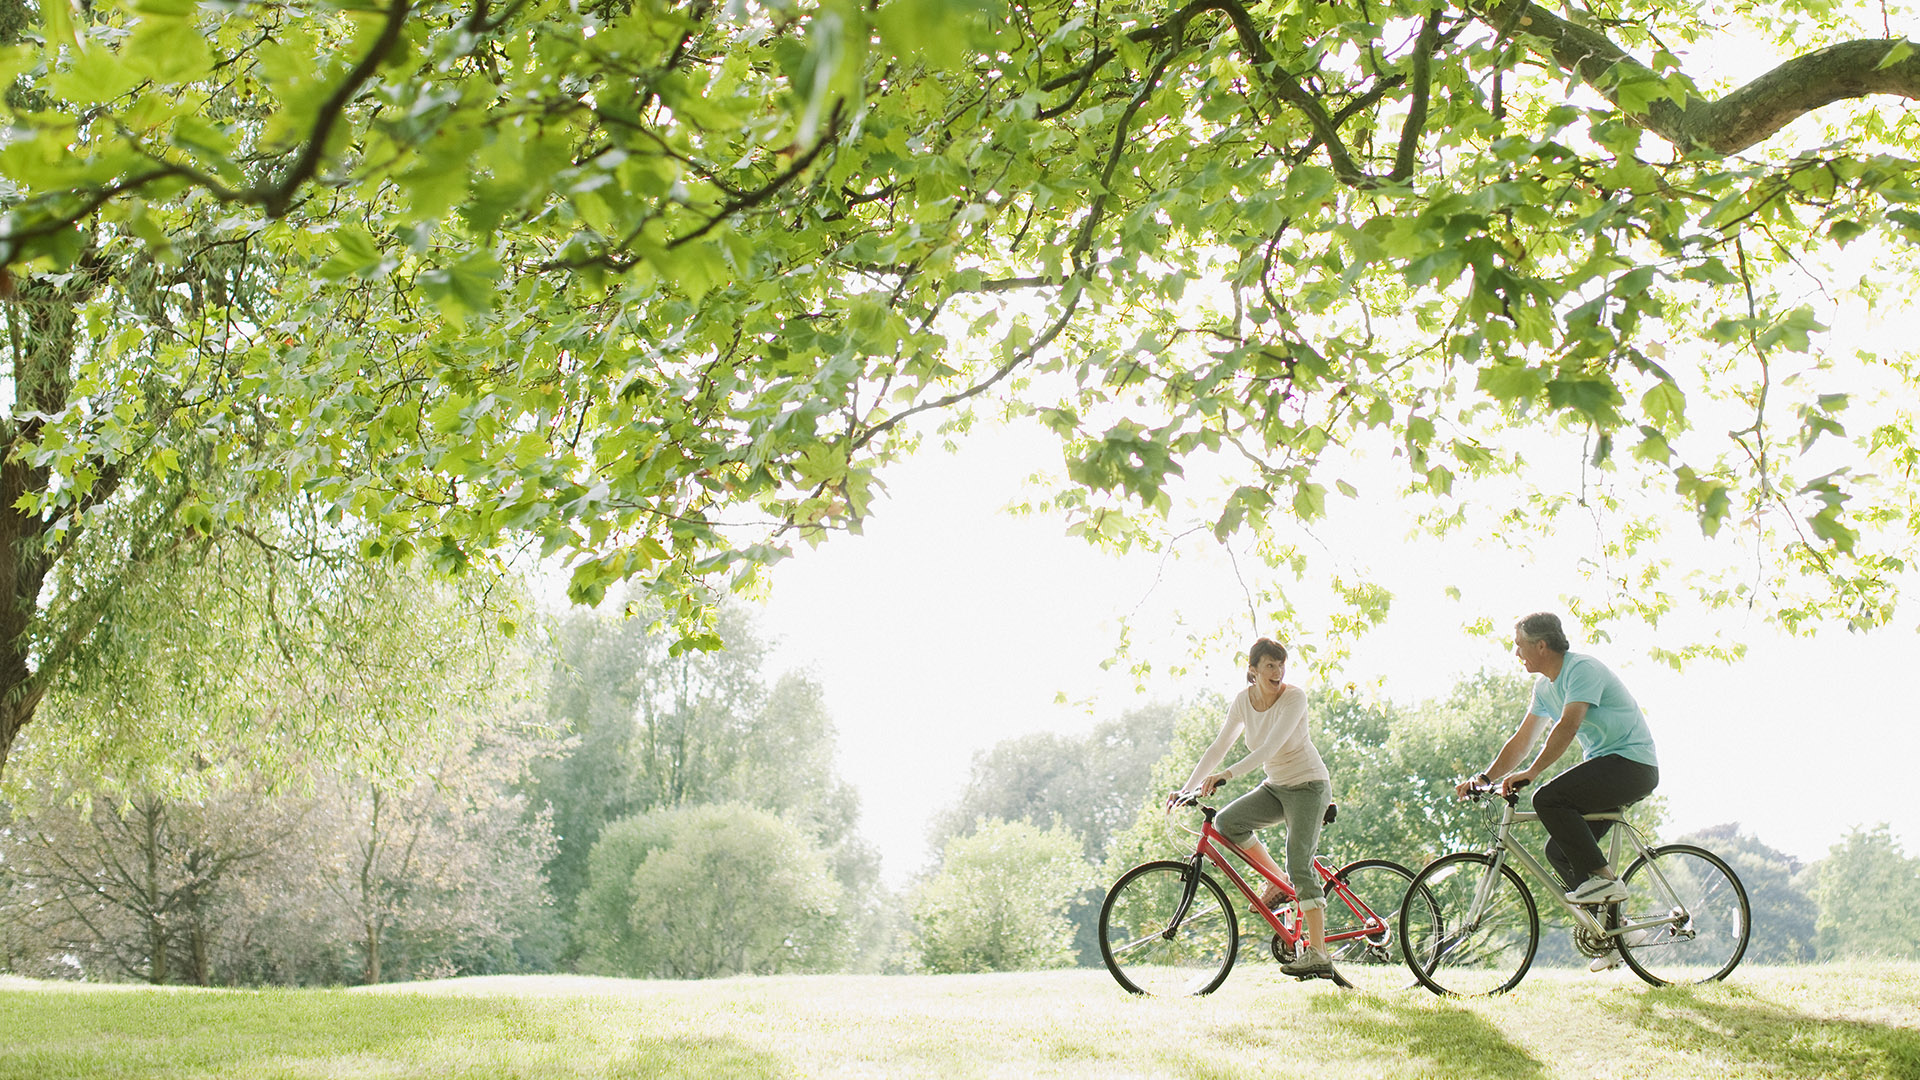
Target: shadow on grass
{"type": "Point", "coordinates": [1437, 1037]}
{"type": "Point", "coordinates": [1734, 1024]}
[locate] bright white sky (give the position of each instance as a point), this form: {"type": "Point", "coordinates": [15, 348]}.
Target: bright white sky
{"type": "Point", "coordinates": [949, 626]}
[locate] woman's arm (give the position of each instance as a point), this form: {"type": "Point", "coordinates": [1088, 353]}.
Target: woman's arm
{"type": "Point", "coordinates": [1229, 731]}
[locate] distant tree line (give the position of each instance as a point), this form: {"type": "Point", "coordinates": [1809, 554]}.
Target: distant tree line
{"type": "Point", "coordinates": [311, 775]}
{"type": "Point", "coordinates": [588, 799]}
{"type": "Point", "coordinates": [591, 798]}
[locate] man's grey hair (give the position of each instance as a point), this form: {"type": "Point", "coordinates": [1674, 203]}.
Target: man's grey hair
{"type": "Point", "coordinates": [1543, 626]}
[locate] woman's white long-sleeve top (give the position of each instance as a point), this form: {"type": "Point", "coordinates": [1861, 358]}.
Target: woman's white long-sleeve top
{"type": "Point", "coordinates": [1277, 740]}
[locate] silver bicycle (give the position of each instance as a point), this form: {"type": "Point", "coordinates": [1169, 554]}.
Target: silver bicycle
{"type": "Point", "coordinates": [1469, 926]}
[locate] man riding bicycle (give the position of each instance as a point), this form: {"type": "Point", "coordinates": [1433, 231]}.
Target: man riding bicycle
{"type": "Point", "coordinates": [1582, 700]}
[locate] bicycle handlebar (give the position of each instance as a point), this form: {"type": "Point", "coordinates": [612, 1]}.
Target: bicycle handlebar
{"type": "Point", "coordinates": [1476, 792]}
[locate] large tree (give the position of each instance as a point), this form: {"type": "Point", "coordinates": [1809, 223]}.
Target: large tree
{"type": "Point", "coordinates": [649, 728]}
{"type": "Point", "coordinates": [1867, 889]}
{"type": "Point", "coordinates": [660, 286]}
{"type": "Point", "coordinates": [695, 892]}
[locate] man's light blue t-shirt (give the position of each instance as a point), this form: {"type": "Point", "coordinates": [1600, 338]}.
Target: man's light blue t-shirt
{"type": "Point", "coordinates": [1614, 723]}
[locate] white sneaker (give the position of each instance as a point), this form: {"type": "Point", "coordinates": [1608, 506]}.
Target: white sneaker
{"type": "Point", "coordinates": [1598, 890]}
{"type": "Point", "coordinates": [1310, 964]}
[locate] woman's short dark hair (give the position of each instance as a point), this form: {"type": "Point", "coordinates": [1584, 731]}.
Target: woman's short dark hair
{"type": "Point", "coordinates": [1543, 626]}
{"type": "Point", "coordinates": [1264, 649]}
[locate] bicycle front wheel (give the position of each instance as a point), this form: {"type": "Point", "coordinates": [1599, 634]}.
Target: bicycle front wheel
{"type": "Point", "coordinates": [1467, 931]}
{"type": "Point", "coordinates": [1147, 951]}
{"type": "Point", "coordinates": [1363, 933]}
{"type": "Point", "coordinates": [1693, 915]}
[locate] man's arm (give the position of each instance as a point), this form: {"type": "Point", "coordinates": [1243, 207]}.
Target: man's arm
{"type": "Point", "coordinates": [1510, 754]}
{"type": "Point", "coordinates": [1558, 740]}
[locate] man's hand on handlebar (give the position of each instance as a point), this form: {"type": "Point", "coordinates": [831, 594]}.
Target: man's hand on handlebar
{"type": "Point", "coordinates": [1481, 784]}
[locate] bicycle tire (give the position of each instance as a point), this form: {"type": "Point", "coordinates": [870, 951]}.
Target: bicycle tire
{"type": "Point", "coordinates": [1453, 959]}
{"type": "Point", "coordinates": [1373, 962]}
{"type": "Point", "coordinates": [1134, 943]}
{"type": "Point", "coordinates": [1665, 883]}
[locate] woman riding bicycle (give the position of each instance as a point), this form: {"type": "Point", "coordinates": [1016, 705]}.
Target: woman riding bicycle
{"type": "Point", "coordinates": [1581, 699]}
{"type": "Point", "coordinates": [1273, 717]}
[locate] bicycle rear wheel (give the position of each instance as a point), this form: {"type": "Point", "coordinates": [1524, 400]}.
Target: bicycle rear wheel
{"type": "Point", "coordinates": [1701, 910]}
{"type": "Point", "coordinates": [1146, 952]}
{"type": "Point", "coordinates": [1454, 954]}
{"type": "Point", "coordinates": [1365, 941]}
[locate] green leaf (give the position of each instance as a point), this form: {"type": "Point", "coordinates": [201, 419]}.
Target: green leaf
{"type": "Point", "coordinates": [465, 288]}
{"type": "Point", "coordinates": [96, 77]}
{"type": "Point", "coordinates": [1512, 381]}
{"type": "Point", "coordinates": [1897, 52]}
{"type": "Point", "coordinates": [1845, 230]}
{"type": "Point", "coordinates": [1653, 446]}
{"type": "Point", "coordinates": [168, 51]}
{"type": "Point", "coordinates": [1308, 185]}
{"type": "Point", "coordinates": [1591, 395]}
{"type": "Point", "coordinates": [1793, 332]}
{"type": "Point", "coordinates": [1665, 405]}
{"type": "Point", "coordinates": [937, 31]}
{"type": "Point", "coordinates": [1310, 502]}
{"type": "Point", "coordinates": [355, 256]}
{"type": "Point", "coordinates": [1638, 88]}
{"type": "Point", "coordinates": [56, 16]}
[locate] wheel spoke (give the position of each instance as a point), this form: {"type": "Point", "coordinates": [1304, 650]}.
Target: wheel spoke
{"type": "Point", "coordinates": [1373, 958]}
{"type": "Point", "coordinates": [1135, 920]}
{"type": "Point", "coordinates": [1695, 916]}
{"type": "Point", "coordinates": [1450, 954]}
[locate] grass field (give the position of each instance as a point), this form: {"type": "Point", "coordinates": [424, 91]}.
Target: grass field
{"type": "Point", "coordinates": [1830, 1021]}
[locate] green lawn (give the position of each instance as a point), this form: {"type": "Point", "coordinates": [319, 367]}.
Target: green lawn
{"type": "Point", "coordinates": [1834, 1021]}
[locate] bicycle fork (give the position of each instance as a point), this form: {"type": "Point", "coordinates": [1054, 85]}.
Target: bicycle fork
{"type": "Point", "coordinates": [1186, 898]}
{"type": "Point", "coordinates": [1484, 891]}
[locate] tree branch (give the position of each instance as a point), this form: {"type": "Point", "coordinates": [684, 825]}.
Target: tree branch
{"type": "Point", "coordinates": [1736, 121]}
{"type": "Point", "coordinates": [1403, 159]}
{"type": "Point", "coordinates": [276, 199]}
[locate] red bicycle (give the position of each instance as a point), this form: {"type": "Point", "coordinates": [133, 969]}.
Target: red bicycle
{"type": "Point", "coordinates": [1167, 927]}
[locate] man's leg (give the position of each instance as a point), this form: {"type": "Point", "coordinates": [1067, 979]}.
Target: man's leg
{"type": "Point", "coordinates": [1592, 786]}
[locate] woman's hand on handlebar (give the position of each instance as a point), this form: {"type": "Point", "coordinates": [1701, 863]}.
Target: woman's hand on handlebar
{"type": "Point", "coordinates": [1207, 787]}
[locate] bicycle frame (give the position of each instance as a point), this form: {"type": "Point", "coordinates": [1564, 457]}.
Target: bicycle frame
{"type": "Point", "coordinates": [1209, 850]}
{"type": "Point", "coordinates": [1585, 917]}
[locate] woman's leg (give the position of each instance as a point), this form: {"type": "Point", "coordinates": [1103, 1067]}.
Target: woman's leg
{"type": "Point", "coordinates": [1257, 809]}
{"type": "Point", "coordinates": [1306, 806]}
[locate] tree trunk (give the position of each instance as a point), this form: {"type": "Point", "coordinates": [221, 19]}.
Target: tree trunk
{"type": "Point", "coordinates": [372, 972]}
{"type": "Point", "coordinates": [42, 329]}
{"type": "Point", "coordinates": [370, 898]}
{"type": "Point", "coordinates": [202, 963]}
{"type": "Point", "coordinates": [156, 923]}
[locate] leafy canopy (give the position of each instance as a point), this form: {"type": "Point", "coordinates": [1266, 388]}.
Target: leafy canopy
{"type": "Point", "coordinates": [658, 288]}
